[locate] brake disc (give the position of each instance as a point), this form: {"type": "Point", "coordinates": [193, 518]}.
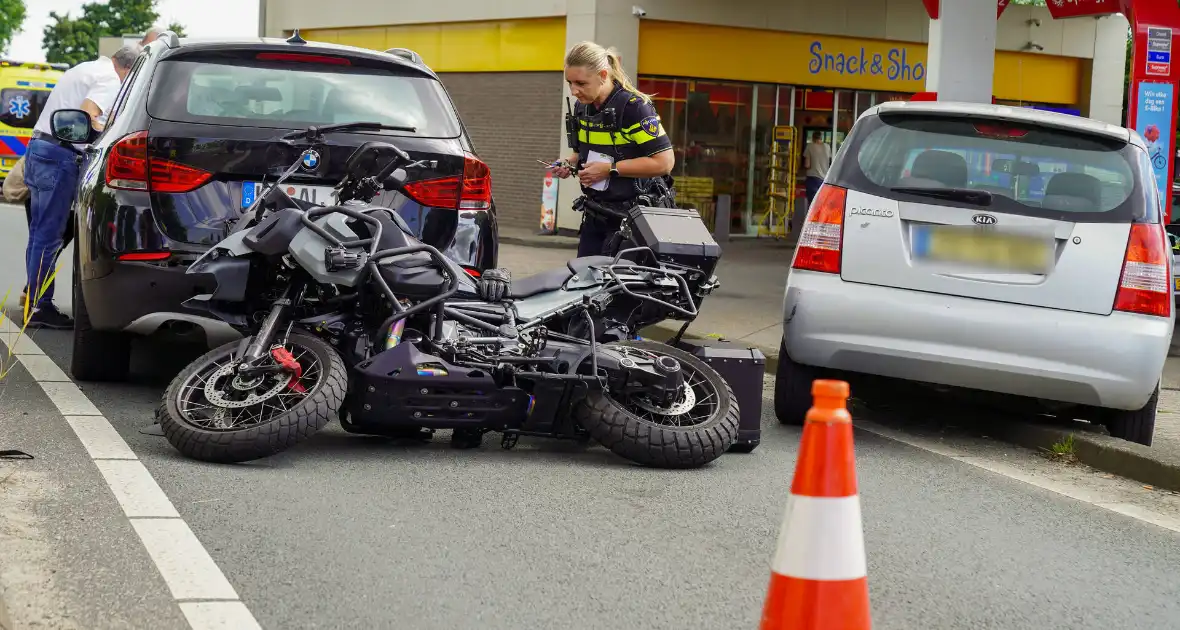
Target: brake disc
{"type": "Point", "coordinates": [214, 395]}
{"type": "Point", "coordinates": [683, 406]}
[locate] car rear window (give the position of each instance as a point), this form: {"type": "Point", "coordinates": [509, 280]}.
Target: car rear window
{"type": "Point", "coordinates": [1028, 169]}
{"type": "Point", "coordinates": [20, 107]}
{"type": "Point", "coordinates": [263, 94]}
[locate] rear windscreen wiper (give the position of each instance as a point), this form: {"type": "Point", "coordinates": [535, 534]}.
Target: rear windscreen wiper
{"type": "Point", "coordinates": [968, 195]}
{"type": "Point", "coordinates": [311, 132]}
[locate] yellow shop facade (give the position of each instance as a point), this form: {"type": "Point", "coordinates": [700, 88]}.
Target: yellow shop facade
{"type": "Point", "coordinates": [724, 76]}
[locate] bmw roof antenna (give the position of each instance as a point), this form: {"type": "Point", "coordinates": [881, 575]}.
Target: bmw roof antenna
{"type": "Point", "coordinates": [295, 38]}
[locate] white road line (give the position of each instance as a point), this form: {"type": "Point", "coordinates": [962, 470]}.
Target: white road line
{"type": "Point", "coordinates": [137, 492]}
{"type": "Point", "coordinates": [1073, 491]}
{"type": "Point", "coordinates": [101, 440]}
{"type": "Point", "coordinates": [187, 568]}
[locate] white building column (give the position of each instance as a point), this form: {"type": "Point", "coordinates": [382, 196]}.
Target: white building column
{"type": "Point", "coordinates": [960, 64]}
{"type": "Point", "coordinates": [1107, 74]}
{"type": "Point", "coordinates": [611, 24]}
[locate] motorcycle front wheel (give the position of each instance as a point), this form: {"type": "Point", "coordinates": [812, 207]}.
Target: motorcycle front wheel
{"type": "Point", "coordinates": [691, 433]}
{"type": "Point", "coordinates": [210, 413]}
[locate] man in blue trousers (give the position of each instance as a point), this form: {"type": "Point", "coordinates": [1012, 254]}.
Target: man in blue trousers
{"type": "Point", "coordinates": [51, 172]}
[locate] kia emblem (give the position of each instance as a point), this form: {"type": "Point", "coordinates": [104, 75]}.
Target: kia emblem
{"type": "Point", "coordinates": [983, 219]}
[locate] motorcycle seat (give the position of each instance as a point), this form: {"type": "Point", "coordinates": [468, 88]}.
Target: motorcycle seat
{"type": "Point", "coordinates": [554, 279]}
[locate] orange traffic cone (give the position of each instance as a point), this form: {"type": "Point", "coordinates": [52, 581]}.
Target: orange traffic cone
{"type": "Point", "coordinates": [819, 578]}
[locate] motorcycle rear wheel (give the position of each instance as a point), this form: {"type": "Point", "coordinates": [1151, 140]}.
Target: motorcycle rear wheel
{"type": "Point", "coordinates": [630, 431]}
{"type": "Point", "coordinates": [288, 425]}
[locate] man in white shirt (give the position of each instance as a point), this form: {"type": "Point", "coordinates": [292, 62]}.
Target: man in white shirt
{"type": "Point", "coordinates": [51, 172]}
{"type": "Point", "coordinates": [817, 157]}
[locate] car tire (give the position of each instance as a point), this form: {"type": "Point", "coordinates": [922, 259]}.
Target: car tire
{"type": "Point", "coordinates": [1137, 425]}
{"type": "Point", "coordinates": [792, 388]}
{"type": "Point", "coordinates": [98, 355]}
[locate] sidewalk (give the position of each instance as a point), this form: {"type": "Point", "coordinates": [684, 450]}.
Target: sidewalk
{"type": "Point", "coordinates": [747, 308]}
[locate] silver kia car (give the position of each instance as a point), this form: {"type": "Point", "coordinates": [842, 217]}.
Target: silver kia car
{"type": "Point", "coordinates": [991, 248]}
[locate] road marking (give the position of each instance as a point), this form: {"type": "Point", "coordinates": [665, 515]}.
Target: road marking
{"type": "Point", "coordinates": [1078, 493]}
{"type": "Point", "coordinates": [184, 563]}
{"type": "Point", "coordinates": [101, 440]}
{"type": "Point", "coordinates": [187, 569]}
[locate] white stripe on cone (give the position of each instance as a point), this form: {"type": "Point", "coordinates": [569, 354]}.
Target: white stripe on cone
{"type": "Point", "coordinates": [821, 539]}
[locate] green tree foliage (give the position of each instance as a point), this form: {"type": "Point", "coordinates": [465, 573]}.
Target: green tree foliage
{"type": "Point", "coordinates": [74, 40]}
{"type": "Point", "coordinates": [12, 16]}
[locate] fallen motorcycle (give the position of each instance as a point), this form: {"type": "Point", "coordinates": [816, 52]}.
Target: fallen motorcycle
{"type": "Point", "coordinates": [345, 314]}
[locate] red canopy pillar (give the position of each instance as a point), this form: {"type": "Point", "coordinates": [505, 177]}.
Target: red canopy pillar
{"type": "Point", "coordinates": [1151, 106]}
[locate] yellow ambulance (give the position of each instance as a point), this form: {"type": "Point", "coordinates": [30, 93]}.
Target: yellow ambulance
{"type": "Point", "coordinates": [24, 88]}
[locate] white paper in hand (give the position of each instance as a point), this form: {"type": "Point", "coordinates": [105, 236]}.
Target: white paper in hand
{"type": "Point", "coordinates": [594, 158]}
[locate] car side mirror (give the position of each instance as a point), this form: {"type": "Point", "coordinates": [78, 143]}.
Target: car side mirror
{"type": "Point", "coordinates": [396, 180]}
{"type": "Point", "coordinates": [71, 125]}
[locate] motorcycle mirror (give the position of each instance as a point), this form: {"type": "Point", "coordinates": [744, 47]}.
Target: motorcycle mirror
{"type": "Point", "coordinates": [396, 180]}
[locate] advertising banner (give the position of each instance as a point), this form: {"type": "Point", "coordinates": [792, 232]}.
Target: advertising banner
{"type": "Point", "coordinates": [549, 205]}
{"type": "Point", "coordinates": [1154, 121]}
{"type": "Point", "coordinates": [1082, 8]}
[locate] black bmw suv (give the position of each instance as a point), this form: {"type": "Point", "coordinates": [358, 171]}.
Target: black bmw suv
{"type": "Point", "coordinates": [192, 135]}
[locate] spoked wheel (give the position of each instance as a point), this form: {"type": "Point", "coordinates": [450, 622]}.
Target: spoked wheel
{"type": "Point", "coordinates": [212, 413]}
{"type": "Point", "coordinates": [694, 430]}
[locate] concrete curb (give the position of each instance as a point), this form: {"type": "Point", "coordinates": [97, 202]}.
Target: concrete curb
{"type": "Point", "coordinates": [1120, 457]}
{"type": "Point", "coordinates": [546, 242]}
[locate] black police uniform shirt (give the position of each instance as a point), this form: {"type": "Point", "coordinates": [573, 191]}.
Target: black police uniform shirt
{"type": "Point", "coordinates": [639, 134]}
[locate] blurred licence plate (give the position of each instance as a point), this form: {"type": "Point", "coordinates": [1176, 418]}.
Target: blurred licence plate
{"type": "Point", "coordinates": [319, 195]}
{"type": "Point", "coordinates": [982, 248]}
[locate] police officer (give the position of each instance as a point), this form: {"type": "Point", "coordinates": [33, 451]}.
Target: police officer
{"type": "Point", "coordinates": [621, 151]}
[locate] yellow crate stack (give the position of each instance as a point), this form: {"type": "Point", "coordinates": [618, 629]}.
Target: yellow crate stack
{"type": "Point", "coordinates": [776, 221]}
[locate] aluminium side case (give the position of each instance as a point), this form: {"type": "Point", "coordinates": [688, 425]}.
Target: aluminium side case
{"type": "Point", "coordinates": [741, 366]}
{"type": "Point", "coordinates": [676, 235]}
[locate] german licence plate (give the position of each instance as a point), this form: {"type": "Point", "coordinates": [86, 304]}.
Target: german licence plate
{"type": "Point", "coordinates": [319, 195]}
{"type": "Point", "coordinates": [983, 248]}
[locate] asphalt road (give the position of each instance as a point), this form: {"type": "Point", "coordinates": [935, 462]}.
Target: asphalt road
{"type": "Point", "coordinates": [349, 532]}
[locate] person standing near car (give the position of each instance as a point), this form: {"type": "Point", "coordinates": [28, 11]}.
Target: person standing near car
{"type": "Point", "coordinates": [817, 158]}
{"type": "Point", "coordinates": [51, 173]}
{"type": "Point", "coordinates": [620, 148]}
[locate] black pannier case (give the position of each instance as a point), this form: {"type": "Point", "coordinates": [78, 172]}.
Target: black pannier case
{"type": "Point", "coordinates": [676, 235]}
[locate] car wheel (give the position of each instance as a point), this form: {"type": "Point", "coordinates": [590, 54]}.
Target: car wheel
{"type": "Point", "coordinates": [98, 355]}
{"type": "Point", "coordinates": [1137, 425]}
{"type": "Point", "coordinates": [792, 389]}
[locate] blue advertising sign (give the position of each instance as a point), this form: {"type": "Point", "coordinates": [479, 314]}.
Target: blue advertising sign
{"type": "Point", "coordinates": [1154, 122]}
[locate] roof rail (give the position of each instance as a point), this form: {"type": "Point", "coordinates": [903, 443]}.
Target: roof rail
{"type": "Point", "coordinates": [170, 39]}
{"type": "Point", "coordinates": [406, 53]}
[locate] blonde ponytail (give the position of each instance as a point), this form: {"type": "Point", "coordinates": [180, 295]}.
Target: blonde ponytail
{"type": "Point", "coordinates": [596, 58]}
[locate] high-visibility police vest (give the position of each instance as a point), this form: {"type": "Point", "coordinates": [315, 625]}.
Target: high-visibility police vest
{"type": "Point", "coordinates": [625, 128]}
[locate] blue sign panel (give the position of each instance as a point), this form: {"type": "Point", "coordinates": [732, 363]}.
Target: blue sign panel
{"type": "Point", "coordinates": [1153, 121]}
{"type": "Point", "coordinates": [1159, 57]}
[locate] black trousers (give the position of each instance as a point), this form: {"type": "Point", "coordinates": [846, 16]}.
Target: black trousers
{"type": "Point", "coordinates": [66, 238]}
{"type": "Point", "coordinates": [596, 231]}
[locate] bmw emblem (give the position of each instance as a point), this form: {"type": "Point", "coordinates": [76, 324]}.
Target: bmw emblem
{"type": "Point", "coordinates": [311, 159]}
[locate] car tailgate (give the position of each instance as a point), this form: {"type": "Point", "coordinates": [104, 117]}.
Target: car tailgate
{"type": "Point", "coordinates": [889, 243]}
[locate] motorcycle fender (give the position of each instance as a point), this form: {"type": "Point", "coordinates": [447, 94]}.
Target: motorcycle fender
{"type": "Point", "coordinates": [229, 275]}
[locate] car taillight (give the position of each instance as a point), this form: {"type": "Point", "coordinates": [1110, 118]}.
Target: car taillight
{"type": "Point", "coordinates": [145, 256]}
{"type": "Point", "coordinates": [129, 167]}
{"type": "Point", "coordinates": [471, 192]}
{"type": "Point", "coordinates": [1145, 286]}
{"type": "Point", "coordinates": [822, 233]}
